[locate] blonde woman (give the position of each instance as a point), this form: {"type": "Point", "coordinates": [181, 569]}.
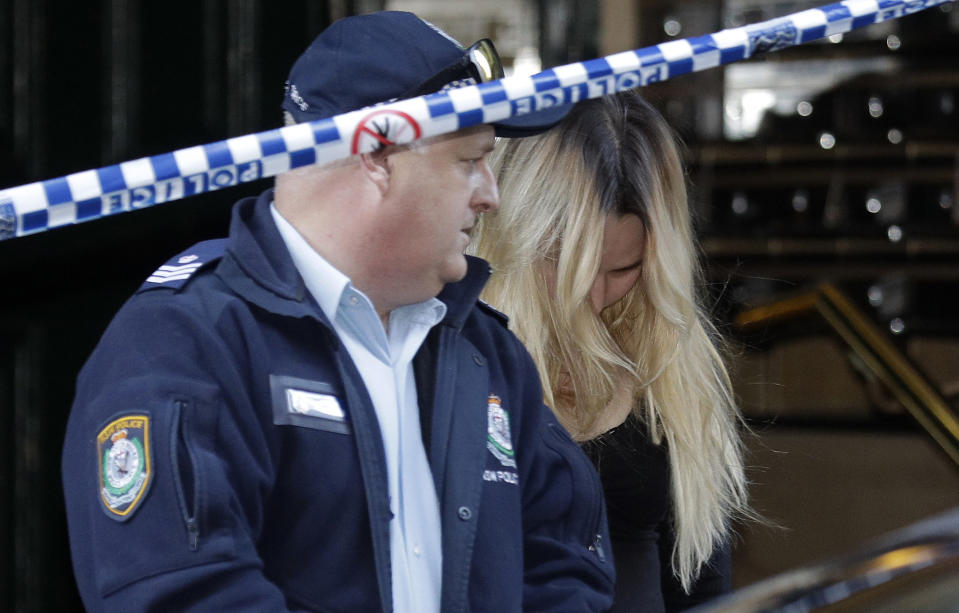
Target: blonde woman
{"type": "Point", "coordinates": [596, 265]}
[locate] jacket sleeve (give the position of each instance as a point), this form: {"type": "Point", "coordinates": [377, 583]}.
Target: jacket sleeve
{"type": "Point", "coordinates": [568, 563]}
{"type": "Point", "coordinates": [163, 513]}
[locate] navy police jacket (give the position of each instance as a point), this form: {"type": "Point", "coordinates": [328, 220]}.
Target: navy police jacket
{"type": "Point", "coordinates": [222, 453]}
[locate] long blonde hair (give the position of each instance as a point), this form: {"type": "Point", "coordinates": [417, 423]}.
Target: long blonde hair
{"type": "Point", "coordinates": [617, 156]}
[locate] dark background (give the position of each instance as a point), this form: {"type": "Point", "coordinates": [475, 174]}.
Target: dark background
{"type": "Point", "coordinates": [89, 84]}
{"type": "Point", "coordinates": [84, 85]}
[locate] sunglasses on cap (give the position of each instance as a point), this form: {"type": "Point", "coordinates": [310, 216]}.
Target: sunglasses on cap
{"type": "Point", "coordinates": [480, 62]}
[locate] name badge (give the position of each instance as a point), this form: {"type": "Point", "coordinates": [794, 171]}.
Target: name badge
{"type": "Point", "coordinates": [303, 402]}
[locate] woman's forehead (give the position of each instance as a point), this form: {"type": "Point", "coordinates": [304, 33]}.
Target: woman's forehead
{"type": "Point", "coordinates": [624, 239]}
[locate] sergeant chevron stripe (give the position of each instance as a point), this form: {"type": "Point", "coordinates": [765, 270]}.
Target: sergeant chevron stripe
{"type": "Point", "coordinates": [167, 273]}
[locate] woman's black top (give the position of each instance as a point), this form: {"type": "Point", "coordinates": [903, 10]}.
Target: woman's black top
{"type": "Point", "coordinates": [635, 476]}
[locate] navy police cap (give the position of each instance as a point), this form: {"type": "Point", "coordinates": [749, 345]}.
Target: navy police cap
{"type": "Point", "coordinates": [365, 60]}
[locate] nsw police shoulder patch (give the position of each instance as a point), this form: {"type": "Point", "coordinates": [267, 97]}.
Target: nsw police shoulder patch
{"type": "Point", "coordinates": [124, 465]}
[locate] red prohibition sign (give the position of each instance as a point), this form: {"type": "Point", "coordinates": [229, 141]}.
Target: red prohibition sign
{"type": "Point", "coordinates": [384, 128]}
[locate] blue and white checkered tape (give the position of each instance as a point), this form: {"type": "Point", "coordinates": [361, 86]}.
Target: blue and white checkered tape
{"type": "Point", "coordinates": [87, 195]}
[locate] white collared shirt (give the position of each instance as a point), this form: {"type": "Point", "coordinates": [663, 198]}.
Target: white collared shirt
{"type": "Point", "coordinates": [385, 363]}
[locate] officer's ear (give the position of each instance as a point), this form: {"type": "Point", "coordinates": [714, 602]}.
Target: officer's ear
{"type": "Point", "coordinates": [377, 167]}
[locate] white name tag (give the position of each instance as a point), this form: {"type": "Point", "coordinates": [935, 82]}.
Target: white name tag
{"type": "Point", "coordinates": [315, 404]}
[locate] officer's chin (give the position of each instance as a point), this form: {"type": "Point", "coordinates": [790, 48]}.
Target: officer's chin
{"type": "Point", "coordinates": [456, 271]}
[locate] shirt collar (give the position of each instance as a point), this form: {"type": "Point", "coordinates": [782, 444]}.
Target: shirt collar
{"type": "Point", "coordinates": [321, 278]}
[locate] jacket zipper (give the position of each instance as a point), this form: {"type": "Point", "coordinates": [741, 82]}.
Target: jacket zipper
{"type": "Point", "coordinates": [188, 500]}
{"type": "Point", "coordinates": [593, 537]}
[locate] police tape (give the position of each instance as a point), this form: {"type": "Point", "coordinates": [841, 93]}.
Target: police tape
{"type": "Point", "coordinates": [92, 194]}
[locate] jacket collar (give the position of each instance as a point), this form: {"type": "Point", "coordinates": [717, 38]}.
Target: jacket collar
{"type": "Point", "coordinates": [259, 268]}
{"type": "Point", "coordinates": [461, 297]}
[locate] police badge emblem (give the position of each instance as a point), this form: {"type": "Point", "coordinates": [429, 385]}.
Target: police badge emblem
{"type": "Point", "coordinates": [498, 441]}
{"type": "Point", "coordinates": [124, 465]}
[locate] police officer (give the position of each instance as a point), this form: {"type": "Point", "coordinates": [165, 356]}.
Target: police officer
{"type": "Point", "coordinates": [316, 413]}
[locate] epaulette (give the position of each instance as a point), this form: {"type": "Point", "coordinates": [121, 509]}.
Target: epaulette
{"type": "Point", "coordinates": [180, 268]}
{"type": "Point", "coordinates": [502, 317]}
